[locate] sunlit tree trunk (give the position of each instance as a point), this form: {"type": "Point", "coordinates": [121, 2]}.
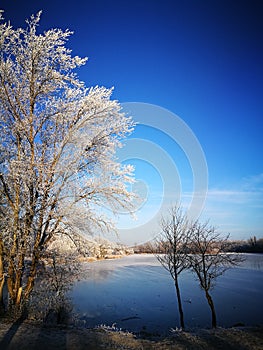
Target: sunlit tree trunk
{"type": "Point", "coordinates": [2, 278]}
{"type": "Point", "coordinates": [32, 276]}
{"type": "Point", "coordinates": [18, 281]}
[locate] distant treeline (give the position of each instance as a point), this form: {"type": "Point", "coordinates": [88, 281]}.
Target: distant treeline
{"type": "Point", "coordinates": [252, 245]}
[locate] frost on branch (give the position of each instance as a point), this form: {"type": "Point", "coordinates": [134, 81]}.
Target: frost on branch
{"type": "Point", "coordinates": [58, 145]}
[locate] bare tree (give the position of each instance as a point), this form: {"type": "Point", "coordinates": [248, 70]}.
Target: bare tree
{"type": "Point", "coordinates": [57, 151]}
{"type": "Point", "coordinates": [172, 245]}
{"type": "Point", "coordinates": [208, 259]}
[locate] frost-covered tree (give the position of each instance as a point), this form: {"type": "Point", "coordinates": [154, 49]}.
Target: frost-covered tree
{"type": "Point", "coordinates": [58, 144]}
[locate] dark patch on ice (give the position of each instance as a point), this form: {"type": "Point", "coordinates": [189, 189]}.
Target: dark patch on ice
{"type": "Point", "coordinates": [131, 318]}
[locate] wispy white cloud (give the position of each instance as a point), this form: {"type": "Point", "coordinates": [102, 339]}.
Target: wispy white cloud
{"type": "Point", "coordinates": [253, 183]}
{"type": "Point", "coordinates": [237, 210]}
{"type": "Point", "coordinates": [235, 197]}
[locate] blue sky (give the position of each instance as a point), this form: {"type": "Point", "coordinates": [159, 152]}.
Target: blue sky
{"type": "Point", "coordinates": [200, 60]}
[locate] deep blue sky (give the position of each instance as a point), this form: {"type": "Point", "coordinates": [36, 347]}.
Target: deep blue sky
{"type": "Point", "coordinates": [202, 60]}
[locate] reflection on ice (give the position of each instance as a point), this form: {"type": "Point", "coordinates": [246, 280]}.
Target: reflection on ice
{"type": "Point", "coordinates": [253, 261]}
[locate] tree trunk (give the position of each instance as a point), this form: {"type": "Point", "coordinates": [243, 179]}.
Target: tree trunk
{"type": "Point", "coordinates": [2, 305]}
{"type": "Point", "coordinates": [180, 307]}
{"type": "Point", "coordinates": [14, 290]}
{"type": "Point", "coordinates": [212, 307]}
{"type": "Point", "coordinates": [19, 275]}
{"type": "Point", "coordinates": [2, 280]}
{"type": "Point", "coordinates": [10, 280]}
{"type": "Point", "coordinates": [32, 276]}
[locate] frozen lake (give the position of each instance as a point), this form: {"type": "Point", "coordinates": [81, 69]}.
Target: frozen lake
{"type": "Point", "coordinates": [136, 293]}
